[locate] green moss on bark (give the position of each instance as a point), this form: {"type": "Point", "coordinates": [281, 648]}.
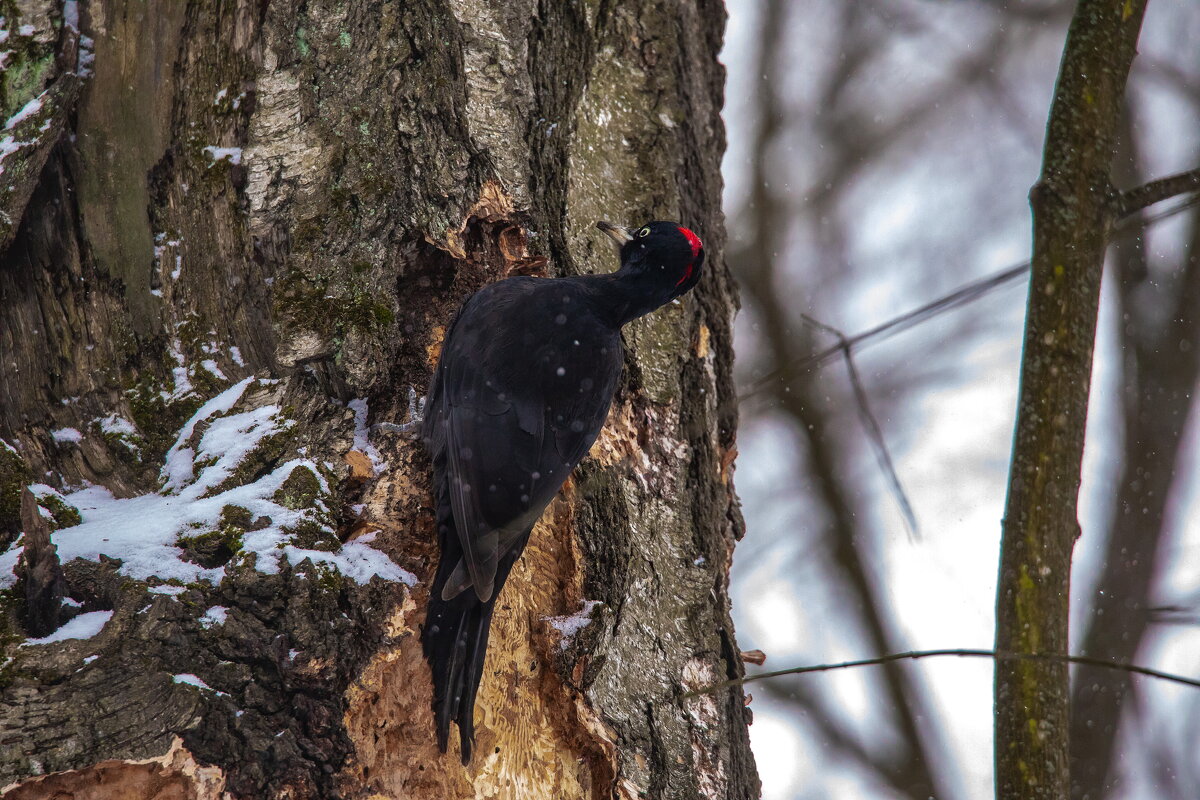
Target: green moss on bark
{"type": "Point", "coordinates": [217, 547]}
{"type": "Point", "coordinates": [299, 490]}
{"type": "Point", "coordinates": [156, 414]}
{"type": "Point", "coordinates": [14, 476]}
{"type": "Point", "coordinates": [27, 67]}
{"type": "Point", "coordinates": [271, 450]}
{"type": "Point", "coordinates": [65, 515]}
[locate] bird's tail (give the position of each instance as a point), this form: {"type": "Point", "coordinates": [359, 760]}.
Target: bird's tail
{"type": "Point", "coordinates": [455, 640]}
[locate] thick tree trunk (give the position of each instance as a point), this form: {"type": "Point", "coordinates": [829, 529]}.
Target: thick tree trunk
{"type": "Point", "coordinates": [246, 228]}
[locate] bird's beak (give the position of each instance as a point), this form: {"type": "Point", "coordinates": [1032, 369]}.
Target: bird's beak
{"type": "Point", "coordinates": [619, 233]}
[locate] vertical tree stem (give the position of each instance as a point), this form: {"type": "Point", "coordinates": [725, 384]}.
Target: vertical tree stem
{"type": "Point", "coordinates": [1072, 216]}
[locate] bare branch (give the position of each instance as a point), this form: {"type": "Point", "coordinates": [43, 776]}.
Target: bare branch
{"type": "Point", "coordinates": [966, 294]}
{"type": "Point", "coordinates": [1153, 192]}
{"type": "Point", "coordinates": [948, 302]}
{"type": "Point", "coordinates": [874, 432]}
{"type": "Point", "coordinates": [913, 655]}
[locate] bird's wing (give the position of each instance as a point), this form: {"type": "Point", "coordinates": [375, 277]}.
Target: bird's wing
{"type": "Point", "coordinates": [483, 439]}
{"type": "Point", "coordinates": [581, 407]}
{"type": "Point", "coordinates": [514, 413]}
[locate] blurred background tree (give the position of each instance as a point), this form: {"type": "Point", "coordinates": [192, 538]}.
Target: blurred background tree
{"type": "Point", "coordinates": [880, 157]}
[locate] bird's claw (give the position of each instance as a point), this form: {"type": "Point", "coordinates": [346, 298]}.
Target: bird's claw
{"type": "Point", "coordinates": [416, 416]}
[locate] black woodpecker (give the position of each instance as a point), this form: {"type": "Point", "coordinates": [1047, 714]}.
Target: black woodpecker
{"type": "Point", "coordinates": [526, 376]}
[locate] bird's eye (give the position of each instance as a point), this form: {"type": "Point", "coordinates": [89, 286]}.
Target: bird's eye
{"type": "Point", "coordinates": [644, 232]}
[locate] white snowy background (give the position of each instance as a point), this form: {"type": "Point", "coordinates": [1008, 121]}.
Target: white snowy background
{"type": "Point", "coordinates": [939, 211]}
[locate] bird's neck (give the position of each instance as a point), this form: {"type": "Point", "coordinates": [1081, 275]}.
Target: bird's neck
{"type": "Point", "coordinates": [625, 295]}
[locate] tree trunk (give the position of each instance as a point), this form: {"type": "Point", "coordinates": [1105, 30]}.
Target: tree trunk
{"type": "Point", "coordinates": [246, 229]}
{"type": "Point", "coordinates": [1073, 212]}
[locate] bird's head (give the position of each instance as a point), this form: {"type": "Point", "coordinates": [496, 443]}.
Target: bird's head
{"type": "Point", "coordinates": [668, 256]}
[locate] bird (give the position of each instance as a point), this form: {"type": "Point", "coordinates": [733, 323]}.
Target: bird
{"type": "Point", "coordinates": [522, 388]}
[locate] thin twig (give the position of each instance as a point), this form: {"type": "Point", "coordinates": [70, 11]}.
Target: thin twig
{"type": "Point", "coordinates": [972, 291]}
{"type": "Point", "coordinates": [1153, 192]}
{"type": "Point", "coordinates": [917, 654]}
{"type": "Point", "coordinates": [875, 434]}
{"type": "Point", "coordinates": [959, 297]}
{"type": "Point", "coordinates": [874, 431]}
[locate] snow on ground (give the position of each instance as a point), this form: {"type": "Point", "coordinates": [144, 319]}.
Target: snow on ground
{"type": "Point", "coordinates": [85, 626]}
{"type": "Point", "coordinates": [183, 383]}
{"type": "Point", "coordinates": [122, 430]}
{"type": "Point", "coordinates": [144, 531]}
{"type": "Point", "coordinates": [177, 471]}
{"type": "Point", "coordinates": [116, 425]}
{"type": "Point", "coordinates": [213, 369]}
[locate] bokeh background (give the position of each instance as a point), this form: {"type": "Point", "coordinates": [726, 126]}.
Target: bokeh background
{"type": "Point", "coordinates": [880, 157]}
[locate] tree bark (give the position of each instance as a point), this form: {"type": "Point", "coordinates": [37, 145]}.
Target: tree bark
{"type": "Point", "coordinates": [301, 195]}
{"type": "Point", "coordinates": [1073, 211]}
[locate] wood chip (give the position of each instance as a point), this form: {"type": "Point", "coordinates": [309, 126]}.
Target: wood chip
{"type": "Point", "coordinates": [754, 657]}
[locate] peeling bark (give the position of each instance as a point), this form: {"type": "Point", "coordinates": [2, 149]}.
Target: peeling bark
{"type": "Point", "coordinates": [304, 194]}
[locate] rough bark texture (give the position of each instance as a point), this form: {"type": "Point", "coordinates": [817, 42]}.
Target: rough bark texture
{"type": "Point", "coordinates": [1073, 211]}
{"type": "Point", "coordinates": [394, 157]}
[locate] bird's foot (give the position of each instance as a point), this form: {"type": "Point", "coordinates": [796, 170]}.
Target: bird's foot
{"type": "Point", "coordinates": [411, 427]}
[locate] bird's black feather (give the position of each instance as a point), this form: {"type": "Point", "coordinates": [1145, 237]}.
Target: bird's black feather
{"type": "Point", "coordinates": [523, 385]}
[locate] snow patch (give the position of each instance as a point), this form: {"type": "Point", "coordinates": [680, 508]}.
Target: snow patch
{"type": "Point", "coordinates": [27, 111]}
{"type": "Point", "coordinates": [87, 56]}
{"type": "Point", "coordinates": [71, 14]}
{"type": "Point", "coordinates": [117, 425]}
{"type": "Point", "coordinates": [361, 441]}
{"type": "Point", "coordinates": [233, 154]}
{"type": "Point", "coordinates": [124, 431]}
{"type": "Point", "coordinates": [215, 615]}
{"type": "Point", "coordinates": [178, 467]}
{"type": "Point", "coordinates": [213, 369]}
{"type": "Point", "coordinates": [572, 624]}
{"type": "Point", "coordinates": [183, 383]}
{"type": "Point", "coordinates": [144, 532]}
{"type": "Point", "coordinates": [8, 146]}
{"type": "Point", "coordinates": [67, 436]}
{"type": "Point", "coordinates": [85, 626]}
{"type": "Point", "coordinates": [356, 560]}
{"type": "Point", "coordinates": [191, 680]}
